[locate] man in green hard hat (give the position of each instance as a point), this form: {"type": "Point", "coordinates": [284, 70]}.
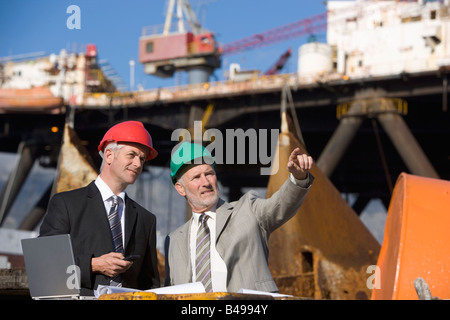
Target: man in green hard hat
{"type": "Point", "coordinates": [232, 249]}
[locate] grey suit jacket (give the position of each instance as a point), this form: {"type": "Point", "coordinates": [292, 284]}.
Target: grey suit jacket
{"type": "Point", "coordinates": [242, 234]}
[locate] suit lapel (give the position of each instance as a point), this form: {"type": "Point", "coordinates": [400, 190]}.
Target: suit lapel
{"type": "Point", "coordinates": [99, 216]}
{"type": "Point", "coordinates": [223, 213]}
{"type": "Point", "coordinates": [130, 219]}
{"type": "Point", "coordinates": [184, 249]}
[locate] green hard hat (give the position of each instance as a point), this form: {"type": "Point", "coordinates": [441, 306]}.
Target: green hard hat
{"type": "Point", "coordinates": [189, 153]}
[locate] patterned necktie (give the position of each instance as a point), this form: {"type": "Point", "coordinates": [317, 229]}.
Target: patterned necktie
{"type": "Point", "coordinates": [202, 261]}
{"type": "Point", "coordinates": [116, 233]}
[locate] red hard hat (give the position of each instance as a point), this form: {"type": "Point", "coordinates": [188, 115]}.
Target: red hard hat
{"type": "Point", "coordinates": [129, 131]}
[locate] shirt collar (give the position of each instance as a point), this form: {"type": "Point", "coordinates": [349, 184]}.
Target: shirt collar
{"type": "Point", "coordinates": [105, 191]}
{"type": "Point", "coordinates": [211, 213]}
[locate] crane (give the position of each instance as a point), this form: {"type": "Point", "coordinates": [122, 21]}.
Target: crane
{"type": "Point", "coordinates": [276, 68]}
{"type": "Point", "coordinates": [292, 30]}
{"type": "Point", "coordinates": [311, 25]}
{"type": "Point", "coordinates": [196, 50]}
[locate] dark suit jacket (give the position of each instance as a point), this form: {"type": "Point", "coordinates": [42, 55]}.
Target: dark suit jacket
{"type": "Point", "coordinates": [81, 213]}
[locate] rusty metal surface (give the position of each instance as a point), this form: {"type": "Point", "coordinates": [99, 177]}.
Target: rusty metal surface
{"type": "Point", "coordinates": [128, 296]}
{"type": "Point", "coordinates": [75, 167]}
{"type": "Point", "coordinates": [13, 279]}
{"type": "Point", "coordinates": [14, 284]}
{"type": "Point", "coordinates": [213, 296]}
{"type": "Point", "coordinates": [323, 252]}
{"type": "Point", "coordinates": [188, 92]}
{"type": "Point", "coordinates": [141, 295]}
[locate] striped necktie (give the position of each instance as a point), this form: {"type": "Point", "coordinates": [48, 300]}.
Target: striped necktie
{"type": "Point", "coordinates": [116, 233]}
{"type": "Point", "coordinates": [202, 261]}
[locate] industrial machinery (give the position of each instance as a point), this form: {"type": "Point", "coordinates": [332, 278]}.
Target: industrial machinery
{"type": "Point", "coordinates": [197, 51]}
{"type": "Point", "coordinates": [384, 62]}
{"type": "Point", "coordinates": [194, 51]}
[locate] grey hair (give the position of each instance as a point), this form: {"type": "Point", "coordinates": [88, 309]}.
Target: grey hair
{"type": "Point", "coordinates": [114, 147]}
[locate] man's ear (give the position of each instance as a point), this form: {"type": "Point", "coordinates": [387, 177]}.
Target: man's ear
{"type": "Point", "coordinates": [180, 189]}
{"type": "Point", "coordinates": [109, 156]}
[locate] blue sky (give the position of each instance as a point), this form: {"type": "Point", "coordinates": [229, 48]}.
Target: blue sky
{"type": "Point", "coordinates": [115, 27]}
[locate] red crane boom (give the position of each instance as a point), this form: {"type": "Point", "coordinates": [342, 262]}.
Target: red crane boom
{"type": "Point", "coordinates": [278, 66]}
{"type": "Point", "coordinates": [295, 29]}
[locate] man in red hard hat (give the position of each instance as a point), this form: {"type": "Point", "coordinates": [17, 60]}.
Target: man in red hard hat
{"type": "Point", "coordinates": [113, 237]}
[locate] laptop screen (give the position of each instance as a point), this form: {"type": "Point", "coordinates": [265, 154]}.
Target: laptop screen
{"type": "Point", "coordinates": [50, 266]}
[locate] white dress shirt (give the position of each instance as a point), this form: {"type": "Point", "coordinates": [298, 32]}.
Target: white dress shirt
{"type": "Point", "coordinates": [106, 193]}
{"type": "Point", "coordinates": [218, 267]}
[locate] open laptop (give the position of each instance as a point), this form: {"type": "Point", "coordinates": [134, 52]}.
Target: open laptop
{"type": "Point", "coordinates": [51, 269]}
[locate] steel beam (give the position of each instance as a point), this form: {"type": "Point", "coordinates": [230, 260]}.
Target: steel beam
{"type": "Point", "coordinates": [339, 141]}
{"type": "Point", "coordinates": [32, 219]}
{"type": "Point", "coordinates": [19, 174]}
{"type": "Point", "coordinates": [407, 145]}
{"type": "Point", "coordinates": [388, 112]}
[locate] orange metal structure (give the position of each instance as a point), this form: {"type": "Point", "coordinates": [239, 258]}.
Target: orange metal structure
{"type": "Point", "coordinates": [25, 100]}
{"type": "Point", "coordinates": [180, 45]}
{"type": "Point", "coordinates": [416, 240]}
{"type": "Point", "coordinates": [193, 51]}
